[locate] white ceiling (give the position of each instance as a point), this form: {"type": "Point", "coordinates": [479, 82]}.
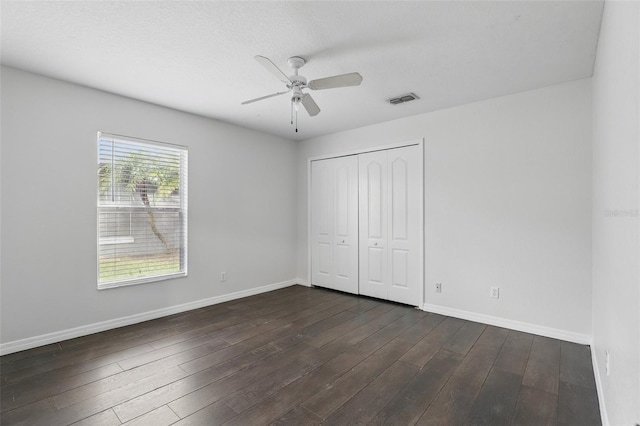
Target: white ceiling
{"type": "Point", "coordinates": [198, 56]}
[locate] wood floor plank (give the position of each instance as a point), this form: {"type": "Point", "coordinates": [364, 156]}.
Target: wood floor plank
{"type": "Point", "coordinates": [298, 416]}
{"type": "Point", "coordinates": [363, 407]}
{"type": "Point", "coordinates": [321, 339]}
{"type": "Point", "coordinates": [74, 364]}
{"type": "Point", "coordinates": [496, 401]}
{"type": "Point", "coordinates": [465, 337]}
{"type": "Point", "coordinates": [192, 383]}
{"type": "Point", "coordinates": [211, 342]}
{"type": "Point", "coordinates": [422, 352]}
{"type": "Point", "coordinates": [27, 413]}
{"type": "Point", "coordinates": [327, 325]}
{"type": "Point", "coordinates": [104, 418]}
{"type": "Point", "coordinates": [214, 358]}
{"type": "Point", "coordinates": [455, 400]}
{"type": "Point", "coordinates": [345, 387]}
{"type": "Point", "coordinates": [274, 406]}
{"type": "Point", "coordinates": [200, 398]}
{"type": "Point", "coordinates": [543, 367]}
{"type": "Point", "coordinates": [37, 388]}
{"type": "Point", "coordinates": [214, 414]}
{"type": "Point", "coordinates": [408, 405]}
{"type": "Point", "coordinates": [223, 323]}
{"type": "Point", "coordinates": [514, 355]}
{"type": "Point", "coordinates": [285, 338]}
{"type": "Point", "coordinates": [18, 356]}
{"type": "Point", "coordinates": [321, 308]}
{"type": "Point", "coordinates": [103, 401]}
{"type": "Point", "coordinates": [578, 405]}
{"type": "Point", "coordinates": [115, 381]}
{"type": "Point", "coordinates": [357, 335]}
{"type": "Point", "coordinates": [575, 365]}
{"type": "Point", "coordinates": [216, 366]}
{"type": "Point", "coordinates": [257, 390]}
{"type": "Point", "coordinates": [162, 416]}
{"type": "Point", "coordinates": [423, 326]}
{"type": "Point", "coordinates": [535, 408]}
{"type": "Point", "coordinates": [365, 305]}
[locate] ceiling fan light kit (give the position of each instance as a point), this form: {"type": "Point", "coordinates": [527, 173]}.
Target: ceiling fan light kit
{"type": "Point", "coordinates": [295, 83]}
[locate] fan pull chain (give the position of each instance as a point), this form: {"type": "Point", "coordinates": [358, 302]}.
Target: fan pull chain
{"type": "Point", "coordinates": [292, 113]}
{"type": "Point", "coordinates": [296, 120]}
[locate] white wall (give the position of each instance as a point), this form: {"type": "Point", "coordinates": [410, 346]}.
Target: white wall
{"type": "Point", "coordinates": [507, 204]}
{"type": "Point", "coordinates": [241, 206]}
{"type": "Point", "coordinates": [616, 200]}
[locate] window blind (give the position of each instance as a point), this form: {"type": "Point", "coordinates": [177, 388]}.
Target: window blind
{"type": "Point", "coordinates": [142, 210]}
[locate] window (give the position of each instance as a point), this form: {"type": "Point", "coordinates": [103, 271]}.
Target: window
{"type": "Point", "coordinates": [142, 211]}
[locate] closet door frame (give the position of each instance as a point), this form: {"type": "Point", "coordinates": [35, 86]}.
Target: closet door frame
{"type": "Point", "coordinates": [420, 143]}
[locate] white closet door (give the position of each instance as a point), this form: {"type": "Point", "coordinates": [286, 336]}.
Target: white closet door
{"type": "Point", "coordinates": [405, 226]}
{"type": "Point", "coordinates": [391, 224]}
{"type": "Point", "coordinates": [334, 187]}
{"type": "Point", "coordinates": [321, 223]}
{"type": "Point", "coordinates": [373, 224]}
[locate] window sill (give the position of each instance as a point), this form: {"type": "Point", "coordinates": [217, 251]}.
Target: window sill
{"type": "Point", "coordinates": [136, 281]}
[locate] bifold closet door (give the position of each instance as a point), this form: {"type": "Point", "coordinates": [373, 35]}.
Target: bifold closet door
{"type": "Point", "coordinates": [334, 223]}
{"type": "Point", "coordinates": [390, 221]}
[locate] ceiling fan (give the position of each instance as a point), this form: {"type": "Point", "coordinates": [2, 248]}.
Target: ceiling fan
{"type": "Point", "coordinates": [295, 83]}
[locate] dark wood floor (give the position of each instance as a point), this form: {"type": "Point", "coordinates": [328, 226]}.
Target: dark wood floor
{"type": "Point", "coordinates": [301, 356]}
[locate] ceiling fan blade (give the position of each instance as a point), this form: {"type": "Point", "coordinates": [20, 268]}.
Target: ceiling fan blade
{"type": "Point", "coordinates": [310, 105]}
{"type": "Point", "coordinates": [272, 68]}
{"type": "Point", "coordinates": [343, 80]}
{"type": "Point", "coordinates": [264, 97]}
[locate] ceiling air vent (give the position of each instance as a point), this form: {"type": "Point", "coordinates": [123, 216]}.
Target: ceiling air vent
{"type": "Point", "coordinates": [404, 98]}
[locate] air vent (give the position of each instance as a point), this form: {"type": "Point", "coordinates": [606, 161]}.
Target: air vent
{"type": "Point", "coordinates": [404, 98]}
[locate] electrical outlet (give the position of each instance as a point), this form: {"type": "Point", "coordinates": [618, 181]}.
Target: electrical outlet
{"type": "Point", "coordinates": [606, 362]}
{"type": "Point", "coordinates": [223, 276]}
{"type": "Point", "coordinates": [438, 287]}
{"type": "Point", "coordinates": [494, 292]}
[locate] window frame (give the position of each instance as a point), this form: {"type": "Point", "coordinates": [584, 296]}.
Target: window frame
{"type": "Point", "coordinates": [103, 206]}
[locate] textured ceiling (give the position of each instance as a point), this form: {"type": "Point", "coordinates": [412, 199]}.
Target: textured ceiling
{"type": "Point", "coordinates": [197, 56]}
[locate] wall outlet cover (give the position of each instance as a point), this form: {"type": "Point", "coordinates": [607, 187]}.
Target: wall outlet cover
{"type": "Point", "coordinates": [494, 292]}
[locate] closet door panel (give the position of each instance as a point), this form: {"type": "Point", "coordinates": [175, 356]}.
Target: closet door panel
{"type": "Point", "coordinates": [334, 223]}
{"type": "Point", "coordinates": [373, 224]}
{"type": "Point", "coordinates": [324, 260]}
{"type": "Point", "coordinates": [405, 227]}
{"type": "Point", "coordinates": [399, 199]}
{"type": "Point", "coordinates": [399, 268]}
{"type": "Point", "coordinates": [373, 182]}
{"type": "Point", "coordinates": [345, 236]}
{"type": "Point", "coordinates": [321, 223]}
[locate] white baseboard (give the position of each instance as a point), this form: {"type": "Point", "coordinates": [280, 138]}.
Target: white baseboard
{"type": "Point", "coordinates": [303, 282]}
{"type": "Point", "coordinates": [596, 371]}
{"type": "Point", "coordinates": [540, 330]}
{"type": "Point", "coordinates": [58, 336]}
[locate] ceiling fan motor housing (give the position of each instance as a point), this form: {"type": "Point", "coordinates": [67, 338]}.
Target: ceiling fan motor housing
{"type": "Point", "coordinates": [296, 63]}
{"type": "Point", "coordinates": [297, 81]}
